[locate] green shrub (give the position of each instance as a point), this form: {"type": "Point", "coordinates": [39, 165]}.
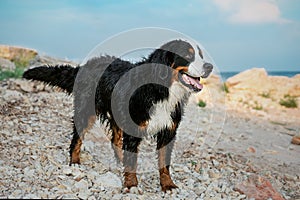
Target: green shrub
{"type": "Point", "coordinates": [225, 88]}
{"type": "Point", "coordinates": [201, 104]}
{"type": "Point", "coordinates": [20, 63]}
{"type": "Point", "coordinates": [288, 101]}
{"type": "Point", "coordinates": [257, 106]}
{"type": "Point", "coordinates": [6, 74]}
{"type": "Point", "coordinates": [266, 94]}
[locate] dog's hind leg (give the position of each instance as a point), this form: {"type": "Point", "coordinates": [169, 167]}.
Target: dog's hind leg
{"type": "Point", "coordinates": [165, 143]}
{"type": "Point", "coordinates": [77, 139]}
{"type": "Point", "coordinates": [75, 147]}
{"type": "Point", "coordinates": [130, 147]}
{"type": "Point", "coordinates": [116, 141]}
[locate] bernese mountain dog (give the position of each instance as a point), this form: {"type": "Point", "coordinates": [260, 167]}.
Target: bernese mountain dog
{"type": "Point", "coordinates": [134, 100]}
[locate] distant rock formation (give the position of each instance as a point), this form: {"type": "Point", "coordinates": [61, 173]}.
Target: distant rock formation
{"type": "Point", "coordinates": [27, 57]}
{"type": "Point", "coordinates": [256, 80]}
{"type": "Point", "coordinates": [275, 97]}
{"type": "Point", "coordinates": [17, 53]}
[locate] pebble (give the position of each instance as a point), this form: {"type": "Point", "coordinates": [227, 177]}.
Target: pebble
{"type": "Point", "coordinates": [84, 194]}
{"type": "Point", "coordinates": [108, 180]}
{"type": "Point", "coordinates": [81, 185]}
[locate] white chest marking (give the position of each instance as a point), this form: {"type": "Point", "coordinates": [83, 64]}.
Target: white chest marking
{"type": "Point", "coordinates": [161, 115]}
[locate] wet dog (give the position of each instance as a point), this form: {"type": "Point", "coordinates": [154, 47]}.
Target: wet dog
{"type": "Point", "coordinates": [134, 100]}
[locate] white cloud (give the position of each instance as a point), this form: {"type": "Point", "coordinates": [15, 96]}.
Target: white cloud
{"type": "Point", "coordinates": [251, 11]}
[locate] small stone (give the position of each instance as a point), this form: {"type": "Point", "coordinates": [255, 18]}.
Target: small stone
{"type": "Point", "coordinates": [134, 190]}
{"type": "Point", "coordinates": [92, 198]}
{"type": "Point", "coordinates": [215, 163]}
{"type": "Point", "coordinates": [251, 150]}
{"type": "Point", "coordinates": [213, 174]}
{"type": "Point", "coordinates": [79, 176]}
{"type": "Point", "coordinates": [242, 196]}
{"type": "Point", "coordinates": [108, 180]}
{"type": "Point", "coordinates": [81, 185]}
{"type": "Point", "coordinates": [177, 168]}
{"type": "Point", "coordinates": [199, 190]}
{"type": "Point", "coordinates": [186, 169]}
{"type": "Point", "coordinates": [83, 194]}
{"type": "Point", "coordinates": [69, 196]}
{"type": "Point", "coordinates": [296, 140]}
{"type": "Point", "coordinates": [67, 171]}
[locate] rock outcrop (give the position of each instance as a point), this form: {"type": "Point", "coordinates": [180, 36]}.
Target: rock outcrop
{"type": "Point", "coordinates": [25, 57]}
{"type": "Point", "coordinates": [256, 80]}
{"type": "Point", "coordinates": [20, 54]}
{"type": "Point", "coordinates": [274, 97]}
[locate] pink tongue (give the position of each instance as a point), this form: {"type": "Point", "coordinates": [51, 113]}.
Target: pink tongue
{"type": "Point", "coordinates": [193, 82]}
{"type": "Point", "coordinates": [196, 83]}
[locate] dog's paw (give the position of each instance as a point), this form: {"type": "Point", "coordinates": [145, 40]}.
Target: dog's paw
{"type": "Point", "coordinates": [130, 180]}
{"type": "Point", "coordinates": [166, 183]}
{"type": "Point", "coordinates": [168, 187]}
{"type": "Point", "coordinates": [74, 161]}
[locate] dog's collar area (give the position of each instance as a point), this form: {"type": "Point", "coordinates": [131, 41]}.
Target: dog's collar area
{"type": "Point", "coordinates": [191, 82]}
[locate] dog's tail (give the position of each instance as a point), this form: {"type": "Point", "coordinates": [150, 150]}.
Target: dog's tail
{"type": "Point", "coordinates": [62, 76]}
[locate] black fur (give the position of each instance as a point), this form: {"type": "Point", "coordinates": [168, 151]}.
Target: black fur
{"type": "Point", "coordinates": [62, 76]}
{"type": "Point", "coordinates": [94, 83]}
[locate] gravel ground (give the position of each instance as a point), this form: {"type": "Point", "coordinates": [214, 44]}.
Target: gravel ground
{"type": "Point", "coordinates": [209, 160]}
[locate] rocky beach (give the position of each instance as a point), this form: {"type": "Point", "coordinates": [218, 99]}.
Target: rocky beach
{"type": "Point", "coordinates": [241, 141]}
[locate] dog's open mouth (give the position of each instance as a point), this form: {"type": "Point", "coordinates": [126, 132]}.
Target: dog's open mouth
{"type": "Point", "coordinates": [191, 82]}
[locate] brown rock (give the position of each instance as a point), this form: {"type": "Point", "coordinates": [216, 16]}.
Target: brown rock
{"type": "Point", "coordinates": [17, 53]}
{"type": "Point", "coordinates": [249, 79]}
{"type": "Point", "coordinates": [251, 150]}
{"type": "Point", "coordinates": [296, 140]}
{"type": "Point", "coordinates": [258, 188]}
{"type": "Point", "coordinates": [257, 81]}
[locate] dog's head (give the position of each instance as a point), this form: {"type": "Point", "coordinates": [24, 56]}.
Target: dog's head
{"type": "Point", "coordinates": [187, 60]}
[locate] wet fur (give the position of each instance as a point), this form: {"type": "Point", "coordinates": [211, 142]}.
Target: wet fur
{"type": "Point", "coordinates": [97, 90]}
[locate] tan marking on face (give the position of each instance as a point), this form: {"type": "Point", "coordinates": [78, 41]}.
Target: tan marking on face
{"type": "Point", "coordinates": [191, 50]}
{"type": "Point", "coordinates": [182, 68]}
{"type": "Point", "coordinates": [176, 71]}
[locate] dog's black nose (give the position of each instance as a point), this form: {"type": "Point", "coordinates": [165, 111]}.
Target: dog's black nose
{"type": "Point", "coordinates": [208, 67]}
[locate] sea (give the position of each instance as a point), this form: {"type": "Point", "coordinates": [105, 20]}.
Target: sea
{"type": "Point", "coordinates": [226, 75]}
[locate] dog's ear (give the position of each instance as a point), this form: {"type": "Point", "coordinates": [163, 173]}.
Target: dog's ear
{"type": "Point", "coordinates": [169, 58]}
{"type": "Point", "coordinates": [162, 56]}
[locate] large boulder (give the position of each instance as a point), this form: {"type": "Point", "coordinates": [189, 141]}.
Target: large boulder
{"type": "Point", "coordinates": [252, 79]}
{"type": "Point", "coordinates": [257, 81]}
{"type": "Point", "coordinates": [17, 54]}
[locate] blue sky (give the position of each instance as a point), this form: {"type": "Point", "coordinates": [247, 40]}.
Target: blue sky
{"type": "Point", "coordinates": [238, 34]}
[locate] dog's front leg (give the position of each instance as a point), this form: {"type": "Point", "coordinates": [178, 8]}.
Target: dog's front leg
{"type": "Point", "coordinates": [130, 147]}
{"type": "Point", "coordinates": [165, 143]}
